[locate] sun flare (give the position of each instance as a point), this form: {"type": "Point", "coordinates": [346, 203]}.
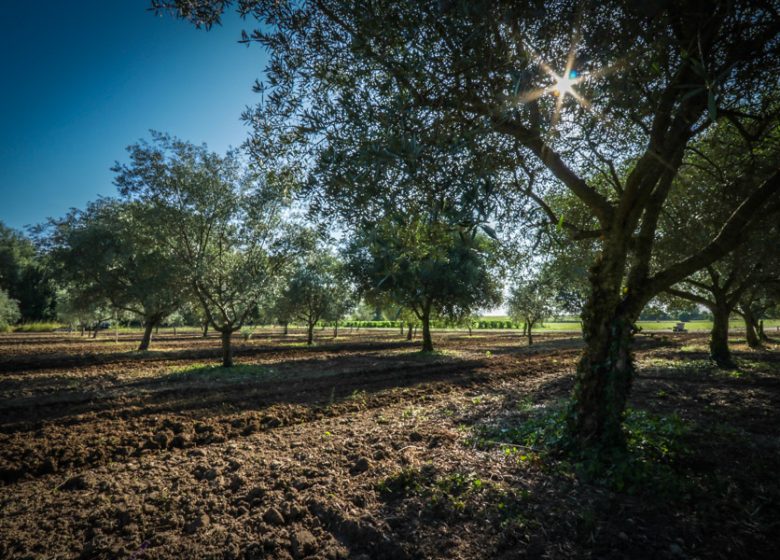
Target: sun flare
{"type": "Point", "coordinates": [564, 85]}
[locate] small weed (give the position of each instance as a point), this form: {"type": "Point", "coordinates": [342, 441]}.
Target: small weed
{"type": "Point", "coordinates": [359, 396]}
{"type": "Point", "coordinates": [653, 444]}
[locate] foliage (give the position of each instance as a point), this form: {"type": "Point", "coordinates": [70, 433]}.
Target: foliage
{"type": "Point", "coordinates": [654, 445]}
{"type": "Point", "coordinates": [429, 268]}
{"type": "Point", "coordinates": [451, 81]}
{"type": "Point", "coordinates": [112, 251]}
{"type": "Point", "coordinates": [9, 311]}
{"type": "Point", "coordinates": [221, 219]}
{"type": "Point", "coordinates": [531, 301]}
{"type": "Point", "coordinates": [318, 289]}
{"type": "Point", "coordinates": [25, 276]}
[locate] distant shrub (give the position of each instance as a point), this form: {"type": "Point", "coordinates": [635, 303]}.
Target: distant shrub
{"type": "Point", "coordinates": [37, 327]}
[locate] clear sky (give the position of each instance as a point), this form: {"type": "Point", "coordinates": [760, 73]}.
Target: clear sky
{"type": "Point", "coordinates": [80, 80]}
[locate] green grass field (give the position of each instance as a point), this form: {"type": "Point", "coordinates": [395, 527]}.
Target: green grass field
{"type": "Point", "coordinates": [692, 326]}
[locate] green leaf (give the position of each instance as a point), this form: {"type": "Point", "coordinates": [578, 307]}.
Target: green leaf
{"type": "Point", "coordinates": [489, 231]}
{"type": "Point", "coordinates": [559, 227]}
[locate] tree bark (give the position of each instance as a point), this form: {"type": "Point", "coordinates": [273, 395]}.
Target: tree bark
{"type": "Point", "coordinates": [94, 332]}
{"type": "Point", "coordinates": [761, 334]}
{"type": "Point", "coordinates": [286, 328]}
{"type": "Point", "coordinates": [149, 324]}
{"type": "Point", "coordinates": [719, 339]}
{"type": "Point", "coordinates": [605, 371]}
{"type": "Point", "coordinates": [529, 334]}
{"type": "Point", "coordinates": [205, 329]}
{"type": "Point", "coordinates": [751, 335]}
{"type": "Point", "coordinates": [426, 324]}
{"type": "Point", "coordinates": [227, 349]}
{"type": "Point", "coordinates": [409, 332]}
{"type": "Point", "coordinates": [336, 329]}
{"type": "Point", "coordinates": [310, 334]}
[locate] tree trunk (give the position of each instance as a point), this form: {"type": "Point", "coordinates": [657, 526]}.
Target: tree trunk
{"type": "Point", "coordinates": [761, 334]}
{"type": "Point", "coordinates": [409, 332]}
{"type": "Point", "coordinates": [310, 335]}
{"type": "Point", "coordinates": [336, 329]}
{"type": "Point", "coordinates": [750, 330]}
{"type": "Point", "coordinates": [286, 328]}
{"type": "Point", "coordinates": [149, 324]}
{"type": "Point", "coordinates": [530, 336]}
{"type": "Point", "coordinates": [205, 329]}
{"type": "Point", "coordinates": [402, 329]}
{"type": "Point", "coordinates": [227, 349]}
{"type": "Point", "coordinates": [469, 328]}
{"type": "Point", "coordinates": [94, 332]}
{"type": "Point", "coordinates": [82, 327]}
{"type": "Point", "coordinates": [605, 371]}
{"type": "Point", "coordinates": [719, 339]}
{"type": "Point", "coordinates": [426, 324]}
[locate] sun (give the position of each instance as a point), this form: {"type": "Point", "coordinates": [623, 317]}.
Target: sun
{"type": "Point", "coordinates": [564, 85]}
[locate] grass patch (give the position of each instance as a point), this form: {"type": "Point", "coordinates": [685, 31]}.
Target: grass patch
{"type": "Point", "coordinates": [454, 495]}
{"type": "Point", "coordinates": [654, 443]}
{"type": "Point", "coordinates": [37, 327]}
{"type": "Point", "coordinates": [207, 372]}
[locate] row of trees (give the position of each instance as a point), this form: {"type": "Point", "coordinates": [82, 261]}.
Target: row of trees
{"type": "Point", "coordinates": [427, 132]}
{"type": "Point", "coordinates": [443, 110]}
{"type": "Point", "coordinates": [217, 240]}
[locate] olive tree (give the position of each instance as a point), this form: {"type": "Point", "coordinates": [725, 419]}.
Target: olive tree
{"type": "Point", "coordinates": [431, 269]}
{"type": "Point", "coordinates": [222, 220]}
{"type": "Point", "coordinates": [111, 251]}
{"type": "Point", "coordinates": [317, 290]}
{"type": "Point", "coordinates": [531, 300]}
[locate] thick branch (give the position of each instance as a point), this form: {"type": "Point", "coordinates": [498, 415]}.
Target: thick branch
{"type": "Point", "coordinates": [744, 217]}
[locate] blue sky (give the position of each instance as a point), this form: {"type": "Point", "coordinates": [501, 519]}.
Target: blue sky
{"type": "Point", "coordinates": [81, 80]}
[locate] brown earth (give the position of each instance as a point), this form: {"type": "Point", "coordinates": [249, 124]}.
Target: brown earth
{"type": "Point", "coordinates": [364, 448]}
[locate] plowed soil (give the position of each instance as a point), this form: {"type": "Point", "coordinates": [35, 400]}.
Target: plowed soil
{"type": "Point", "coordinates": [362, 447]}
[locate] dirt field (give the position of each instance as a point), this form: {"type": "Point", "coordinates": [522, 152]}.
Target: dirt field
{"type": "Point", "coordinates": [364, 448]}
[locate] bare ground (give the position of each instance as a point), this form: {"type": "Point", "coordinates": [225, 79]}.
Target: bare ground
{"type": "Point", "coordinates": [364, 448]}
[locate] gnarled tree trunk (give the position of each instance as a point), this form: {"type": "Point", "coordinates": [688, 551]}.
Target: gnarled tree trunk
{"type": "Point", "coordinates": [426, 324]}
{"type": "Point", "coordinates": [227, 348]}
{"type": "Point", "coordinates": [719, 336]}
{"type": "Point", "coordinates": [149, 324]}
{"type": "Point", "coordinates": [751, 335]}
{"type": "Point", "coordinates": [761, 334]}
{"type": "Point", "coordinates": [310, 334]}
{"type": "Point", "coordinates": [606, 370]}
